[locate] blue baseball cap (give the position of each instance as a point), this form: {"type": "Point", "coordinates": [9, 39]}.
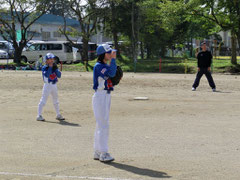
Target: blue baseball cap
{"type": "Point", "coordinates": [104, 48]}
{"type": "Point", "coordinates": [49, 56]}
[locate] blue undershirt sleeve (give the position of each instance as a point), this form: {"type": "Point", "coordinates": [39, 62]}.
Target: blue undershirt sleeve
{"type": "Point", "coordinates": [58, 73]}
{"type": "Point", "coordinates": [112, 68]}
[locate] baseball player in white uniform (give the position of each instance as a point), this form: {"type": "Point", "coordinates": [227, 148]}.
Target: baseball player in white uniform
{"type": "Point", "coordinates": [101, 100]}
{"type": "Point", "coordinates": [50, 75]}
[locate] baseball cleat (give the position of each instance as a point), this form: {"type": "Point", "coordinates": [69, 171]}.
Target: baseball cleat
{"type": "Point", "coordinates": [214, 89]}
{"type": "Point", "coordinates": [193, 89]}
{"type": "Point", "coordinates": [105, 157]}
{"type": "Point", "coordinates": [96, 155]}
{"type": "Point", "coordinates": [60, 117]}
{"type": "Point", "coordinates": [40, 118]}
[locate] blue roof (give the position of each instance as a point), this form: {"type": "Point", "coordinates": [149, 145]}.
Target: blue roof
{"type": "Point", "coordinates": [58, 20]}
{"type": "Point", "coordinates": [48, 19]}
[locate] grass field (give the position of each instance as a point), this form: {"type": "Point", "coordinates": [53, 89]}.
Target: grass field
{"type": "Point", "coordinates": [221, 64]}
{"type": "Point", "coordinates": [168, 65]}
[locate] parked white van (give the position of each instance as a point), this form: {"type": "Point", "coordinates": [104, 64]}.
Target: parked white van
{"type": "Point", "coordinates": [92, 54]}
{"type": "Point", "coordinates": [61, 49]}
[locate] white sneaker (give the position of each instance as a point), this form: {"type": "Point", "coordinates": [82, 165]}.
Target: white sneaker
{"type": "Point", "coordinates": [40, 118]}
{"type": "Point", "coordinates": [60, 117]}
{"type": "Point", "coordinates": [193, 89]}
{"type": "Point", "coordinates": [105, 157]}
{"type": "Point", "coordinates": [96, 155]}
{"type": "Point", "coordinates": [214, 89]}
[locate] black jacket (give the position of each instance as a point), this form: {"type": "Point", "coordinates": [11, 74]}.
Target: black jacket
{"type": "Point", "coordinates": [204, 59]}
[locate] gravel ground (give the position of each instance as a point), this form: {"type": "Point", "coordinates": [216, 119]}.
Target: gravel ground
{"type": "Point", "coordinates": [176, 134]}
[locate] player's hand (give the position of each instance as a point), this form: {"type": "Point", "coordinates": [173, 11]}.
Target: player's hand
{"type": "Point", "coordinates": [209, 69]}
{"type": "Point", "coordinates": [198, 69]}
{"type": "Point", "coordinates": [114, 54]}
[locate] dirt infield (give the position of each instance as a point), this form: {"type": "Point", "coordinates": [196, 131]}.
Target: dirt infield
{"type": "Point", "coordinates": [176, 134]}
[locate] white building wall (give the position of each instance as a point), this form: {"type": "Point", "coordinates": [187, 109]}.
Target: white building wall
{"type": "Point", "coordinates": [51, 28]}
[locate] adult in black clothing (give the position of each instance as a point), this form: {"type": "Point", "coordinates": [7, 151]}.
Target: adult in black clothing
{"type": "Point", "coordinates": [204, 67]}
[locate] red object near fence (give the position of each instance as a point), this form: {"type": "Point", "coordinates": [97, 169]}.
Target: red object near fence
{"type": "Point", "coordinates": [160, 65]}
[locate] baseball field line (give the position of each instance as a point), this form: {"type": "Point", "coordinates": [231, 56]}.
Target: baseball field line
{"type": "Point", "coordinates": [59, 176]}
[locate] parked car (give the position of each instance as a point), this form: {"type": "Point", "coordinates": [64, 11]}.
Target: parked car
{"type": "Point", "coordinates": [7, 47]}
{"type": "Point", "coordinates": [91, 50]}
{"type": "Point", "coordinates": [3, 54]}
{"type": "Point", "coordinates": [61, 49]}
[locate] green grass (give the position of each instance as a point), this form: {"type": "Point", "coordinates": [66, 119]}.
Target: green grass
{"type": "Point", "coordinates": [169, 65]}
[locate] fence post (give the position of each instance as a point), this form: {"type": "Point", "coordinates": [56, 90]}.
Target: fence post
{"type": "Point", "coordinates": [135, 65]}
{"type": "Point", "coordinates": [185, 63]}
{"type": "Point", "coordinates": [160, 65]}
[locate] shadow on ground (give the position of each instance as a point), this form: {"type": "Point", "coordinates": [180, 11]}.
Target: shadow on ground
{"type": "Point", "coordinates": [224, 92]}
{"type": "Point", "coordinates": [139, 171]}
{"type": "Point", "coordinates": [64, 123]}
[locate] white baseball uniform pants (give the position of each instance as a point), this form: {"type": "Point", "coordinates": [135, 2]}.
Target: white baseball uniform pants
{"type": "Point", "coordinates": [48, 89]}
{"type": "Point", "coordinates": [101, 107]}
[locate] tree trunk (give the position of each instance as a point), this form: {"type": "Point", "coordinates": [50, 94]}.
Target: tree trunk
{"type": "Point", "coordinates": [215, 48]}
{"type": "Point", "coordinates": [17, 56]}
{"type": "Point", "coordinates": [85, 52]}
{"type": "Point", "coordinates": [115, 38]}
{"type": "Point", "coordinates": [191, 48]}
{"type": "Point", "coordinates": [234, 48]}
{"type": "Point", "coordinates": [149, 53]}
{"type": "Point", "coordinates": [238, 39]}
{"type": "Point", "coordinates": [142, 50]}
{"type": "Point", "coordinates": [114, 29]}
{"type": "Point", "coordinates": [133, 33]}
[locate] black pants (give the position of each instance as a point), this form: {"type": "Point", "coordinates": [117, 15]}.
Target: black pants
{"type": "Point", "coordinates": [208, 76]}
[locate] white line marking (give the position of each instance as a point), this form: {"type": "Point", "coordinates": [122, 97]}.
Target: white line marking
{"type": "Point", "coordinates": [60, 177]}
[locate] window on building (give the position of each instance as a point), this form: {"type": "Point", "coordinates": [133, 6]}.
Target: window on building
{"type": "Point", "coordinates": [57, 34]}
{"type": "Point", "coordinates": [33, 34]}
{"type": "Point", "coordinates": [46, 35]}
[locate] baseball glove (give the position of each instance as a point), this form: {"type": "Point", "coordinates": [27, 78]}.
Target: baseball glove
{"type": "Point", "coordinates": [55, 67]}
{"type": "Point", "coordinates": [116, 79]}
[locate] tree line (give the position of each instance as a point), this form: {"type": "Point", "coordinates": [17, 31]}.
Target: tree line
{"type": "Point", "coordinates": [149, 26]}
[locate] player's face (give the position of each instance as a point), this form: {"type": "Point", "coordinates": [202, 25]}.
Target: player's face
{"type": "Point", "coordinates": [204, 47]}
{"type": "Point", "coordinates": [50, 61]}
{"type": "Point", "coordinates": [108, 56]}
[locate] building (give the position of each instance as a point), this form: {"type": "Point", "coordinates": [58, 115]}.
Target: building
{"type": "Point", "coordinates": [46, 28]}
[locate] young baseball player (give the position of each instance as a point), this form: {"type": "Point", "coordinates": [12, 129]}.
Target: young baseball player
{"type": "Point", "coordinates": [103, 70]}
{"type": "Point", "coordinates": [50, 75]}
{"type": "Point", "coordinates": [204, 67]}
{"type": "Point", "coordinates": [38, 64]}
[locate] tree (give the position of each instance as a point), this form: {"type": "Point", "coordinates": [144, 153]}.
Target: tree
{"type": "Point", "coordinates": [87, 13]}
{"type": "Point", "coordinates": [226, 14]}
{"type": "Point", "coordinates": [110, 19]}
{"type": "Point", "coordinates": [163, 24]}
{"type": "Point", "coordinates": [19, 15]}
{"type": "Point", "coordinates": [177, 23]}
{"type": "Point", "coordinates": [58, 7]}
